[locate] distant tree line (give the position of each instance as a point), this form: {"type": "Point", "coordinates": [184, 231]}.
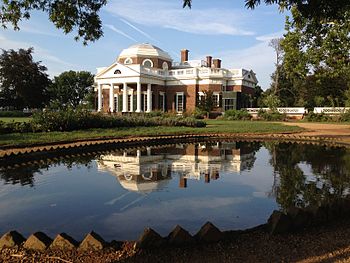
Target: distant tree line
{"type": "Point", "coordinates": [24, 83]}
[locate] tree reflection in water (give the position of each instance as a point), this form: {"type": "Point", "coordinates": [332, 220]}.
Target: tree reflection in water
{"type": "Point", "coordinates": [329, 182]}
{"type": "Point", "coordinates": [25, 174]}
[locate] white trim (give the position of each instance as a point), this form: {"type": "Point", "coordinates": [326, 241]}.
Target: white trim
{"type": "Point", "coordinates": [128, 61]}
{"type": "Point", "coordinates": [147, 60]}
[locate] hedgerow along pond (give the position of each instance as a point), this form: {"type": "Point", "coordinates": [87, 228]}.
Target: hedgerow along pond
{"type": "Point", "coordinates": [235, 185]}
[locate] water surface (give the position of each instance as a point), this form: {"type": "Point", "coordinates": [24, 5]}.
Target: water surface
{"type": "Point", "coordinates": [235, 185]}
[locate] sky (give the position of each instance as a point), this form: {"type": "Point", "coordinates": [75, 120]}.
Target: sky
{"type": "Point", "coordinates": [224, 29]}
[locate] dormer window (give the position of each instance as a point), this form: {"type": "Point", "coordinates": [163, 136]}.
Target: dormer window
{"type": "Point", "coordinates": [117, 71]}
{"type": "Point", "coordinates": [248, 76]}
{"type": "Point", "coordinates": [165, 66]}
{"type": "Point", "coordinates": [147, 63]}
{"type": "Point", "coordinates": [128, 61]}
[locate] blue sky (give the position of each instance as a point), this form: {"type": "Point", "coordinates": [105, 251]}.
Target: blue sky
{"type": "Point", "coordinates": [224, 29]}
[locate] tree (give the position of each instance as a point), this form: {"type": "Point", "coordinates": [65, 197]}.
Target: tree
{"type": "Point", "coordinates": [316, 59]}
{"type": "Point", "coordinates": [23, 82]}
{"type": "Point", "coordinates": [206, 103]}
{"type": "Point", "coordinates": [310, 9]}
{"type": "Point", "coordinates": [80, 16]}
{"type": "Point", "coordinates": [276, 45]}
{"type": "Point", "coordinates": [71, 88]}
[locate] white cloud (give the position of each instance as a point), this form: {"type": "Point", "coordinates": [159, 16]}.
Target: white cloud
{"type": "Point", "coordinates": [259, 57]}
{"type": "Point", "coordinates": [120, 32]}
{"type": "Point", "coordinates": [54, 64]}
{"type": "Point", "coordinates": [138, 30]}
{"type": "Point", "coordinates": [166, 14]}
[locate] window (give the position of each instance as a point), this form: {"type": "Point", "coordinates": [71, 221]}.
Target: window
{"type": "Point", "coordinates": [128, 61]}
{"type": "Point", "coordinates": [180, 102]}
{"type": "Point", "coordinates": [117, 71]}
{"type": "Point", "coordinates": [216, 98]}
{"type": "Point", "coordinates": [116, 103]}
{"type": "Point", "coordinates": [165, 66]}
{"type": "Point", "coordinates": [129, 103]}
{"type": "Point", "coordinates": [229, 104]}
{"type": "Point", "coordinates": [162, 101]}
{"type": "Point", "coordinates": [147, 63]}
{"type": "Point", "coordinates": [144, 102]}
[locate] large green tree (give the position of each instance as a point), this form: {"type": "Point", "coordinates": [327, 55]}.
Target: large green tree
{"type": "Point", "coordinates": [316, 60]}
{"type": "Point", "coordinates": [80, 16]}
{"type": "Point", "coordinates": [310, 9]}
{"type": "Point", "coordinates": [71, 88]}
{"type": "Point", "coordinates": [23, 82]}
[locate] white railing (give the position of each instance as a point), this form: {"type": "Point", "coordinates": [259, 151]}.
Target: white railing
{"type": "Point", "coordinates": [158, 72]}
{"type": "Point", "coordinates": [288, 111]}
{"type": "Point", "coordinates": [331, 110]}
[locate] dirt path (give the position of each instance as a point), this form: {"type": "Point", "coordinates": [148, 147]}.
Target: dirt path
{"type": "Point", "coordinates": [339, 131]}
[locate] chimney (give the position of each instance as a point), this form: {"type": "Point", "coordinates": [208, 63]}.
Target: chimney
{"type": "Point", "coordinates": [217, 63]}
{"type": "Point", "coordinates": [209, 61]}
{"type": "Point", "coordinates": [184, 55]}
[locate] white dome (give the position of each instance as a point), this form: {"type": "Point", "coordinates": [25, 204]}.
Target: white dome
{"type": "Point", "coordinates": [144, 50]}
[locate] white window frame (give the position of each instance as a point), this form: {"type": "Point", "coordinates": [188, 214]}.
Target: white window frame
{"type": "Point", "coordinates": [216, 96]}
{"type": "Point", "coordinates": [165, 66]}
{"type": "Point", "coordinates": [116, 102]}
{"type": "Point", "coordinates": [128, 61]}
{"type": "Point", "coordinates": [147, 60]}
{"type": "Point", "coordinates": [225, 106]}
{"type": "Point", "coordinates": [179, 94]}
{"type": "Point", "coordinates": [162, 94]}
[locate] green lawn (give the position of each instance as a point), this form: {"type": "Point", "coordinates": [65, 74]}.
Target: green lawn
{"type": "Point", "coordinates": [214, 126]}
{"type": "Point", "coordinates": [16, 119]}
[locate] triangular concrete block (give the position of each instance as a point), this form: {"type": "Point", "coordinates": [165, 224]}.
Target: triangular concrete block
{"type": "Point", "coordinates": [63, 242]}
{"type": "Point", "coordinates": [11, 239]}
{"type": "Point", "coordinates": [92, 241]}
{"type": "Point", "coordinates": [180, 237]}
{"type": "Point", "coordinates": [149, 239]}
{"type": "Point", "coordinates": [209, 233]}
{"type": "Point", "coordinates": [38, 241]}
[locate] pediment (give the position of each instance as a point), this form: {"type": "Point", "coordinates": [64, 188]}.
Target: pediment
{"type": "Point", "coordinates": [252, 75]}
{"type": "Point", "coordinates": [117, 70]}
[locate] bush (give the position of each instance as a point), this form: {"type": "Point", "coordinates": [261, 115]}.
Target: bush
{"type": "Point", "coordinates": [237, 115]}
{"type": "Point", "coordinates": [198, 113]}
{"type": "Point", "coordinates": [15, 114]}
{"type": "Point", "coordinates": [12, 127]}
{"type": "Point", "coordinates": [271, 115]}
{"type": "Point", "coordinates": [70, 120]}
{"type": "Point", "coordinates": [345, 116]}
{"type": "Point", "coordinates": [318, 117]}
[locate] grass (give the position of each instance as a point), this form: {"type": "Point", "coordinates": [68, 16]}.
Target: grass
{"type": "Point", "coordinates": [15, 119]}
{"type": "Point", "coordinates": [213, 126]}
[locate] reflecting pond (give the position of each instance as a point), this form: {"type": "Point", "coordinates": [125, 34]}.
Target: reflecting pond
{"type": "Point", "coordinates": [235, 185]}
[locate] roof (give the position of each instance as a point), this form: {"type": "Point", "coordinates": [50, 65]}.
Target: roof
{"type": "Point", "coordinates": [144, 50]}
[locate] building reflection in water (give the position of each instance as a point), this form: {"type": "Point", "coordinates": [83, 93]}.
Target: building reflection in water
{"type": "Point", "coordinates": [150, 169]}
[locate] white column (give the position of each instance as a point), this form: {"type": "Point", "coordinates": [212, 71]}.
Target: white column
{"type": "Point", "coordinates": [111, 97]}
{"type": "Point", "coordinates": [148, 151]}
{"type": "Point", "coordinates": [99, 100]}
{"type": "Point", "coordinates": [125, 97]}
{"type": "Point", "coordinates": [132, 101]}
{"type": "Point", "coordinates": [138, 97]}
{"type": "Point", "coordinates": [149, 98]}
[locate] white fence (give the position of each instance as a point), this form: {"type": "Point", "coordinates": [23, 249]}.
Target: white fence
{"type": "Point", "coordinates": [331, 110]}
{"type": "Point", "coordinates": [288, 111]}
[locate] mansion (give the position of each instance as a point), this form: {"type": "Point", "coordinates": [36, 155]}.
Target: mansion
{"type": "Point", "coordinates": [145, 78]}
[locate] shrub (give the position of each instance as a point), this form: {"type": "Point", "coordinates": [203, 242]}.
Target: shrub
{"type": "Point", "coordinates": [345, 116]}
{"type": "Point", "coordinates": [237, 115]}
{"type": "Point", "coordinates": [271, 115]}
{"type": "Point", "coordinates": [12, 127]}
{"type": "Point", "coordinates": [14, 114]}
{"type": "Point", "coordinates": [318, 117]}
{"type": "Point", "coordinates": [198, 113]}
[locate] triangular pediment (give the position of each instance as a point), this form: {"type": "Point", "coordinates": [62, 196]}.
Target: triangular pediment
{"type": "Point", "coordinates": [249, 75]}
{"type": "Point", "coordinates": [118, 70]}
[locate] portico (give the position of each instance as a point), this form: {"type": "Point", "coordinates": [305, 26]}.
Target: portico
{"type": "Point", "coordinates": [125, 96]}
